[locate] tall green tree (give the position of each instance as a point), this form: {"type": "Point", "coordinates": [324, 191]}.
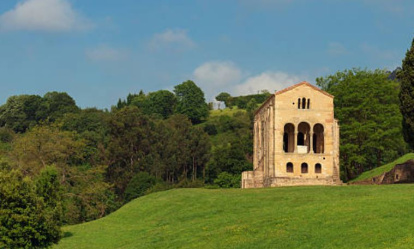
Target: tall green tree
{"type": "Point", "coordinates": [406, 78]}
{"type": "Point", "coordinates": [191, 101]}
{"type": "Point", "coordinates": [131, 135]}
{"type": "Point", "coordinates": [367, 107]}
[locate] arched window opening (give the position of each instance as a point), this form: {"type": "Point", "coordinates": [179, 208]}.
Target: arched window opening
{"type": "Point", "coordinates": [289, 138]}
{"type": "Point", "coordinates": [318, 142]}
{"type": "Point", "coordinates": [308, 103]}
{"type": "Point", "coordinates": [318, 168]}
{"type": "Point", "coordinates": [289, 167]}
{"type": "Point", "coordinates": [298, 103]}
{"type": "Point", "coordinates": [303, 103]}
{"type": "Point", "coordinates": [304, 168]}
{"type": "Point", "coordinates": [303, 140]}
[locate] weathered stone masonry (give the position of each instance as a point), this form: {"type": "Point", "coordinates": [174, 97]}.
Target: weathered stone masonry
{"type": "Point", "coordinates": [296, 140]}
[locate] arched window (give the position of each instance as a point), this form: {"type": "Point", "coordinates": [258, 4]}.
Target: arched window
{"type": "Point", "coordinates": [303, 103]}
{"type": "Point", "coordinates": [304, 168]}
{"type": "Point", "coordinates": [289, 167]}
{"type": "Point", "coordinates": [308, 103]}
{"type": "Point", "coordinates": [303, 137]}
{"type": "Point", "coordinates": [289, 138]}
{"type": "Point", "coordinates": [318, 142]}
{"type": "Point", "coordinates": [298, 103]}
{"type": "Point", "coordinates": [318, 168]}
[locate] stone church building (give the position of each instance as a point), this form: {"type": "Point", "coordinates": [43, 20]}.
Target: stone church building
{"type": "Point", "coordinates": [296, 140]}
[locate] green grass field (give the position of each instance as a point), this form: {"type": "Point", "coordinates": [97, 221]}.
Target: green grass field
{"type": "Point", "coordinates": [373, 216]}
{"type": "Point", "coordinates": [384, 168]}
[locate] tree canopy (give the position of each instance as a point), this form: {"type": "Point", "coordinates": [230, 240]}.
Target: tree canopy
{"type": "Point", "coordinates": [191, 101]}
{"type": "Point", "coordinates": [367, 107]}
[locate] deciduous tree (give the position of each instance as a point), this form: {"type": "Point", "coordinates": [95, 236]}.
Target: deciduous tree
{"type": "Point", "coordinates": [367, 107]}
{"type": "Point", "coordinates": [191, 101]}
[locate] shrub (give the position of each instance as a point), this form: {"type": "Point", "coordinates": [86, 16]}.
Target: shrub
{"type": "Point", "coordinates": [25, 219]}
{"type": "Point", "coordinates": [227, 180]}
{"type": "Point", "coordinates": [138, 185]}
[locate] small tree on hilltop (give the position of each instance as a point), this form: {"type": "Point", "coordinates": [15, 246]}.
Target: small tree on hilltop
{"type": "Point", "coordinates": [406, 77]}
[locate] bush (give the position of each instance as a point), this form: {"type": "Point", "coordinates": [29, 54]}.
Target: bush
{"type": "Point", "coordinates": [190, 184]}
{"type": "Point", "coordinates": [227, 180]}
{"type": "Point", "coordinates": [25, 219]}
{"type": "Point", "coordinates": [138, 185]}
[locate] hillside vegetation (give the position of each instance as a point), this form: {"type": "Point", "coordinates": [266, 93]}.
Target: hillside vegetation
{"type": "Point", "coordinates": [384, 168]}
{"type": "Point", "coordinates": [291, 217]}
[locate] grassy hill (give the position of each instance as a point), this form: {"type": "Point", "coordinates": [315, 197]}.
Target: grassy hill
{"type": "Point", "coordinates": [382, 169]}
{"type": "Point", "coordinates": [378, 216]}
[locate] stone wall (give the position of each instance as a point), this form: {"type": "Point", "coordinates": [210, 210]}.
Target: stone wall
{"type": "Point", "coordinates": [296, 139]}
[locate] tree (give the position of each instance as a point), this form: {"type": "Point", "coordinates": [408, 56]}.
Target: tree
{"type": "Point", "coordinates": [191, 102]}
{"type": "Point", "coordinates": [46, 145]}
{"type": "Point", "coordinates": [20, 112]}
{"type": "Point", "coordinates": [55, 105]}
{"type": "Point", "coordinates": [161, 102]}
{"type": "Point", "coordinates": [25, 219]}
{"type": "Point", "coordinates": [223, 97]}
{"type": "Point", "coordinates": [131, 137]}
{"type": "Point", "coordinates": [367, 107]}
{"type": "Point", "coordinates": [406, 77]}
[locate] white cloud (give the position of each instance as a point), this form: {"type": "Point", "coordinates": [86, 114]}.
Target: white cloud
{"type": "Point", "coordinates": [172, 39]}
{"type": "Point", "coordinates": [43, 15]}
{"type": "Point", "coordinates": [336, 49]}
{"type": "Point", "coordinates": [105, 53]}
{"type": "Point", "coordinates": [224, 76]}
{"type": "Point", "coordinates": [217, 74]}
{"type": "Point", "coordinates": [271, 81]}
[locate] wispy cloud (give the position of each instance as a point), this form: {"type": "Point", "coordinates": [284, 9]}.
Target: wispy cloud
{"type": "Point", "coordinates": [43, 15]}
{"type": "Point", "coordinates": [105, 53]}
{"type": "Point", "coordinates": [172, 39]}
{"type": "Point", "coordinates": [224, 76]}
{"type": "Point", "coordinates": [336, 49]}
{"type": "Point", "coordinates": [271, 81]}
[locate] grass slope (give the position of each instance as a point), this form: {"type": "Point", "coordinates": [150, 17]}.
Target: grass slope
{"type": "Point", "coordinates": [384, 168]}
{"type": "Point", "coordinates": [378, 216]}
{"type": "Point", "coordinates": [225, 111]}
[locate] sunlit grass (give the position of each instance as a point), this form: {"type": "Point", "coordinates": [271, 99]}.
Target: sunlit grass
{"type": "Point", "coordinates": [375, 216]}
{"type": "Point", "coordinates": [225, 111]}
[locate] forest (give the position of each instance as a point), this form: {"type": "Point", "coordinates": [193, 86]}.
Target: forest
{"type": "Point", "coordinates": [61, 164]}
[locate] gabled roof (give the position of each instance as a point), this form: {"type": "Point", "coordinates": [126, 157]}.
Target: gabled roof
{"type": "Point", "coordinates": [303, 83]}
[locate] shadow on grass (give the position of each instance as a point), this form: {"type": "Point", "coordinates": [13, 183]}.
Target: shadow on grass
{"type": "Point", "coordinates": [67, 234]}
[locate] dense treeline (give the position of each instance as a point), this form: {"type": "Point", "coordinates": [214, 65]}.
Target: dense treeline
{"type": "Point", "coordinates": [75, 165]}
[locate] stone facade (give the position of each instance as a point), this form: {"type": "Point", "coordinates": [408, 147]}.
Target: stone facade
{"type": "Point", "coordinates": [296, 140]}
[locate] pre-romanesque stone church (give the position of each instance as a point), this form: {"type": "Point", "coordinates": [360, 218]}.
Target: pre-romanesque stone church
{"type": "Point", "coordinates": [296, 140]}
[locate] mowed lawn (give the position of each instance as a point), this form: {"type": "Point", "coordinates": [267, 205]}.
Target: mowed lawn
{"type": "Point", "coordinates": [374, 216]}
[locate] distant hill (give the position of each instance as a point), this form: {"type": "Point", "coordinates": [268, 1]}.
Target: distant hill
{"type": "Point", "coordinates": [372, 216]}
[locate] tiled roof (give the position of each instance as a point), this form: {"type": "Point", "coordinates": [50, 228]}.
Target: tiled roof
{"type": "Point", "coordinates": [303, 83]}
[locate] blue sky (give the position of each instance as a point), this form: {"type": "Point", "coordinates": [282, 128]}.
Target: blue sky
{"type": "Point", "coordinates": [100, 50]}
